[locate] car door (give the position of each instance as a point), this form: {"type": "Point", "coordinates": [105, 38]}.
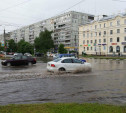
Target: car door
{"type": "Point", "coordinates": [67, 64]}
{"type": "Point", "coordinates": [16, 61]}
{"type": "Point", "coordinates": [24, 60]}
{"type": "Point", "coordinates": [77, 64]}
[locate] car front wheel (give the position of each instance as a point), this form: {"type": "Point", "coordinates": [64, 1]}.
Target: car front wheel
{"type": "Point", "coordinates": [8, 64]}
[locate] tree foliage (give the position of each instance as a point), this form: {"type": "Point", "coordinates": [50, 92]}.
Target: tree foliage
{"type": "Point", "coordinates": [25, 47]}
{"type": "Point", "coordinates": [44, 42]}
{"type": "Point", "coordinates": [12, 46]}
{"type": "Point", "coordinates": [1, 48]}
{"type": "Point", "coordinates": [61, 49]}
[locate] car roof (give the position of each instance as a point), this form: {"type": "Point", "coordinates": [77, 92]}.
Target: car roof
{"type": "Point", "coordinates": [67, 58]}
{"type": "Point", "coordinates": [66, 54]}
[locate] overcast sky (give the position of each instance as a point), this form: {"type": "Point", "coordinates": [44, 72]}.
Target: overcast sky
{"type": "Point", "coordinates": [17, 13]}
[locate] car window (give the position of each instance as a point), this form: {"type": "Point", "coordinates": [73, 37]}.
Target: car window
{"type": "Point", "coordinates": [56, 60]}
{"type": "Point", "coordinates": [76, 61]}
{"type": "Point", "coordinates": [67, 61]}
{"type": "Point", "coordinates": [17, 57]}
{"type": "Point", "coordinates": [24, 57]}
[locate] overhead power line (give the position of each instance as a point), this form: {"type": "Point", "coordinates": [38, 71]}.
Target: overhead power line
{"type": "Point", "coordinates": [15, 5]}
{"type": "Point", "coordinates": [73, 6]}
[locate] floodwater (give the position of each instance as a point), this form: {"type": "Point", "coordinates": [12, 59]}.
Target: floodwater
{"type": "Point", "coordinates": [106, 83]}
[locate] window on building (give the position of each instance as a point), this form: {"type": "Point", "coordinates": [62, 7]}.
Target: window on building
{"type": "Point", "coordinates": [99, 40]}
{"type": "Point", "coordinates": [118, 39]}
{"type": "Point", "coordinates": [95, 26]}
{"type": "Point", "coordinates": [104, 47]}
{"type": "Point", "coordinates": [91, 41]}
{"type": "Point", "coordinates": [87, 35]}
{"type": "Point", "coordinates": [111, 32]}
{"type": "Point", "coordinates": [91, 34]}
{"type": "Point", "coordinates": [91, 48]}
{"type": "Point", "coordinates": [104, 32]}
{"type": "Point", "coordinates": [104, 40]}
{"type": "Point", "coordinates": [124, 49]}
{"type": "Point", "coordinates": [87, 48]}
{"type": "Point", "coordinates": [118, 49]}
{"type": "Point", "coordinates": [99, 33]}
{"type": "Point", "coordinates": [83, 41]}
{"type": "Point", "coordinates": [111, 24]}
{"type": "Point", "coordinates": [84, 48]}
{"type": "Point", "coordinates": [95, 41]}
{"type": "Point", "coordinates": [95, 33]}
{"type": "Point", "coordinates": [104, 25]}
{"type": "Point", "coordinates": [118, 22]}
{"type": "Point", "coordinates": [99, 25]}
{"type": "Point", "coordinates": [83, 35]}
{"type": "Point", "coordinates": [95, 49]}
{"type": "Point", "coordinates": [125, 38]}
{"type": "Point", "coordinates": [110, 49]}
{"type": "Point", "coordinates": [87, 41]}
{"type": "Point", "coordinates": [124, 30]}
{"type": "Point", "coordinates": [125, 21]}
{"type": "Point", "coordinates": [118, 30]}
{"type": "Point", "coordinates": [110, 39]}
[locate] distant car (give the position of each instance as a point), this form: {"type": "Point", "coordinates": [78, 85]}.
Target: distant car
{"type": "Point", "coordinates": [67, 64]}
{"type": "Point", "coordinates": [38, 54]}
{"type": "Point", "coordinates": [17, 54]}
{"type": "Point", "coordinates": [27, 54]}
{"type": "Point", "coordinates": [19, 60]}
{"type": "Point", "coordinates": [10, 53]}
{"type": "Point", "coordinates": [64, 55]}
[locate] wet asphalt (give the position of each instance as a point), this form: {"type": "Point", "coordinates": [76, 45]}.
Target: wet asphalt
{"type": "Point", "coordinates": [106, 83]}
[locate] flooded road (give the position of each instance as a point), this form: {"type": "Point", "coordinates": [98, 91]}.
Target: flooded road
{"type": "Point", "coordinates": [105, 84]}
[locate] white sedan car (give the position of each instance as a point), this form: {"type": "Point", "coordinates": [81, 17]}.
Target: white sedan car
{"type": "Point", "coordinates": [67, 64]}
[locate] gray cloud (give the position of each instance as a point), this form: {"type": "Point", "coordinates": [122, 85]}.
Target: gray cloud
{"type": "Point", "coordinates": [36, 10]}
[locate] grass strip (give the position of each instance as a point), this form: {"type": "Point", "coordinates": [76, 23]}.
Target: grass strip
{"type": "Point", "coordinates": [62, 108]}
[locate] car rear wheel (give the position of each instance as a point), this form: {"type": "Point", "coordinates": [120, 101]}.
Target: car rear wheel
{"type": "Point", "coordinates": [8, 64]}
{"type": "Point", "coordinates": [29, 63]}
{"type": "Point", "coordinates": [62, 70]}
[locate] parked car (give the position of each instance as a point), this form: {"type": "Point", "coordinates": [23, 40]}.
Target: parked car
{"type": "Point", "coordinates": [67, 64]}
{"type": "Point", "coordinates": [19, 60]}
{"type": "Point", "coordinates": [2, 54]}
{"type": "Point", "coordinates": [9, 53]}
{"type": "Point", "coordinates": [17, 54]}
{"type": "Point", "coordinates": [38, 54]}
{"type": "Point", "coordinates": [27, 54]}
{"type": "Point", "coordinates": [64, 55]}
{"type": "Point", "coordinates": [67, 55]}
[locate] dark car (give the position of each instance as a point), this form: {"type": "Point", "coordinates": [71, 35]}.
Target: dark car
{"type": "Point", "coordinates": [19, 60]}
{"type": "Point", "coordinates": [38, 54]}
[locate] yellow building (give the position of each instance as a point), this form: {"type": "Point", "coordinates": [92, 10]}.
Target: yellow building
{"type": "Point", "coordinates": [105, 36]}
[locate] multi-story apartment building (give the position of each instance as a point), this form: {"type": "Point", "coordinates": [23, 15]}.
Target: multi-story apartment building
{"type": "Point", "coordinates": [105, 36]}
{"type": "Point", "coordinates": [64, 27]}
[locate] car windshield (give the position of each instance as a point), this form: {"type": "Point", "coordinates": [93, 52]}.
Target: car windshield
{"type": "Point", "coordinates": [56, 60]}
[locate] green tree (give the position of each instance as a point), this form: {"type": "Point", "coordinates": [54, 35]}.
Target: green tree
{"type": "Point", "coordinates": [61, 49]}
{"type": "Point", "coordinates": [24, 47]}
{"type": "Point", "coordinates": [44, 42]}
{"type": "Point", "coordinates": [1, 48]}
{"type": "Point", "coordinates": [12, 46]}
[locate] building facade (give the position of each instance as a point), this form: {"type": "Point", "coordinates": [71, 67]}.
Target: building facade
{"type": "Point", "coordinates": [105, 36]}
{"type": "Point", "coordinates": [64, 27]}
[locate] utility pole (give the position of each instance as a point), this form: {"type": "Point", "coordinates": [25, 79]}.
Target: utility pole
{"type": "Point", "coordinates": [4, 38]}
{"type": "Point", "coordinates": [4, 42]}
